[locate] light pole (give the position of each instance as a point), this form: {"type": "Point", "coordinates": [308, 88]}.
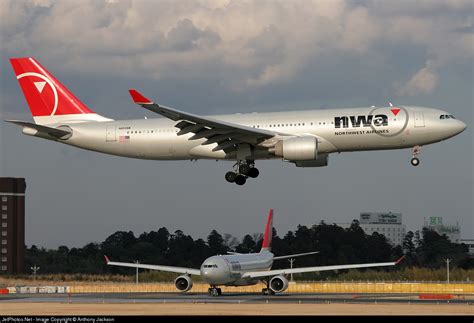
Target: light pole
{"type": "Point", "coordinates": [291, 260]}
{"type": "Point", "coordinates": [136, 277]}
{"type": "Point", "coordinates": [35, 269]}
{"type": "Point", "coordinates": [447, 268]}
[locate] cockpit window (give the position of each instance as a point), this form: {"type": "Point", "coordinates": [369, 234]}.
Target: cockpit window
{"type": "Point", "coordinates": [447, 116]}
{"type": "Point", "coordinates": [210, 266]}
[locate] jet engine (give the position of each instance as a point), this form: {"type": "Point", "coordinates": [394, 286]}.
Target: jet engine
{"type": "Point", "coordinates": [183, 283]}
{"type": "Point", "coordinates": [297, 148]}
{"type": "Point", "coordinates": [320, 162]}
{"type": "Point", "coordinates": [278, 284]}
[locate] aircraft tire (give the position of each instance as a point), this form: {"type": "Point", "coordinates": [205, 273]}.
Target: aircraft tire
{"type": "Point", "coordinates": [240, 180]}
{"type": "Point", "coordinates": [230, 177]}
{"type": "Point", "coordinates": [244, 169]}
{"type": "Point", "coordinates": [253, 172]}
{"type": "Point", "coordinates": [415, 161]}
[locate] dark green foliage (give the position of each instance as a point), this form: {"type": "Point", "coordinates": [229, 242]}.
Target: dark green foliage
{"type": "Point", "coordinates": [335, 244]}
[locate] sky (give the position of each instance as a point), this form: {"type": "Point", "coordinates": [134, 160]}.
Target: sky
{"type": "Point", "coordinates": [222, 56]}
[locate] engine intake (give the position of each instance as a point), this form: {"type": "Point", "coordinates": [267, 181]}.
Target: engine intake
{"type": "Point", "coordinates": [298, 148]}
{"type": "Point", "coordinates": [183, 283]}
{"type": "Point", "coordinates": [278, 284]}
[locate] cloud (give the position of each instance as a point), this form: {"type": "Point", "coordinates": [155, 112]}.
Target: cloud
{"type": "Point", "coordinates": [241, 45]}
{"type": "Point", "coordinates": [422, 82]}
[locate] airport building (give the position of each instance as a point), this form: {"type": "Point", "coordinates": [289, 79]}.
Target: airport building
{"type": "Point", "coordinates": [387, 223]}
{"type": "Point", "coordinates": [12, 229]}
{"type": "Point", "coordinates": [470, 244]}
{"type": "Point", "coordinates": [453, 232]}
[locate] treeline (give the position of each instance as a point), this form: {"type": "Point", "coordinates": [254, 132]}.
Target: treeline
{"type": "Point", "coordinates": [336, 245]}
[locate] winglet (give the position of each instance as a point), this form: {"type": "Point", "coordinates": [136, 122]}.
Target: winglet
{"type": "Point", "coordinates": [138, 98]}
{"type": "Point", "coordinates": [399, 260]}
{"type": "Point", "coordinates": [107, 260]}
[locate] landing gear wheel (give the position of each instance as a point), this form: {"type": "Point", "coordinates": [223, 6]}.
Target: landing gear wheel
{"type": "Point", "coordinates": [240, 180]}
{"type": "Point", "coordinates": [244, 169]}
{"type": "Point", "coordinates": [267, 291]}
{"type": "Point", "coordinates": [230, 177]}
{"type": "Point", "coordinates": [214, 291]}
{"type": "Point", "coordinates": [415, 161]}
{"type": "Point", "coordinates": [253, 172]}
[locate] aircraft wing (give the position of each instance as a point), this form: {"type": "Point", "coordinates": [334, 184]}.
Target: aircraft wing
{"type": "Point", "coordinates": [296, 255]}
{"type": "Point", "coordinates": [227, 135]}
{"type": "Point", "coordinates": [172, 269]}
{"type": "Point", "coordinates": [269, 273]}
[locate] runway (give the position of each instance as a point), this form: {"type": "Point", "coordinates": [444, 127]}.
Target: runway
{"type": "Point", "coordinates": [228, 298]}
{"type": "Point", "coordinates": [229, 304]}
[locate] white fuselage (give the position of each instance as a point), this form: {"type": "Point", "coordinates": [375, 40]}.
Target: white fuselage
{"type": "Point", "coordinates": [336, 130]}
{"type": "Point", "coordinates": [228, 269]}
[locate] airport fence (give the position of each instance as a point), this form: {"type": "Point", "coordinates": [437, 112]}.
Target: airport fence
{"type": "Point", "coordinates": [459, 288]}
{"type": "Point", "coordinates": [306, 287]}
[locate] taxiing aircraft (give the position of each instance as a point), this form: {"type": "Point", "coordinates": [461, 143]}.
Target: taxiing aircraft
{"type": "Point", "coordinates": [304, 138]}
{"type": "Point", "coordinates": [244, 269]}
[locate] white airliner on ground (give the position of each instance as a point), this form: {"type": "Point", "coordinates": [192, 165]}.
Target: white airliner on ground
{"type": "Point", "coordinates": [304, 138]}
{"type": "Point", "coordinates": [244, 269]}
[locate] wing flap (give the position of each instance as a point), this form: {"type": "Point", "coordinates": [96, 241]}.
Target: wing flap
{"type": "Point", "coordinates": [206, 127]}
{"type": "Point", "coordinates": [296, 255]}
{"type": "Point", "coordinates": [268, 273]}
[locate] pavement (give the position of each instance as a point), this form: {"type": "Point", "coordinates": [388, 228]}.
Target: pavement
{"type": "Point", "coordinates": [226, 298]}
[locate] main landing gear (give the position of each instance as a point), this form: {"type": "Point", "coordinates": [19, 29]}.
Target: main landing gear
{"type": "Point", "coordinates": [415, 152]}
{"type": "Point", "coordinates": [242, 171]}
{"type": "Point", "coordinates": [213, 291]}
{"type": "Point", "coordinates": [267, 291]}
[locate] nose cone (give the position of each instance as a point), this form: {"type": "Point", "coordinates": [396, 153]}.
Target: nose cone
{"type": "Point", "coordinates": [459, 127]}
{"type": "Point", "coordinates": [215, 271]}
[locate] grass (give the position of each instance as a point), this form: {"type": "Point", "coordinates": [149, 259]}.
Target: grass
{"type": "Point", "coordinates": [405, 274]}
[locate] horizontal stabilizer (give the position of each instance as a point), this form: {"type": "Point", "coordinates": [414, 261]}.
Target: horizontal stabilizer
{"type": "Point", "coordinates": [53, 132]}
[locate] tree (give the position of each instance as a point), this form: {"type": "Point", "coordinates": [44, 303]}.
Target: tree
{"type": "Point", "coordinates": [248, 245]}
{"type": "Point", "coordinates": [409, 248]}
{"type": "Point", "coordinates": [216, 243]}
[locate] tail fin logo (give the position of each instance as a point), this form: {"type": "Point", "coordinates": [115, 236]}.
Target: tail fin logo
{"type": "Point", "coordinates": [40, 87]}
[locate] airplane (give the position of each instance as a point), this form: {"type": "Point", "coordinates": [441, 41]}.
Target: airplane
{"type": "Point", "coordinates": [304, 138]}
{"type": "Point", "coordinates": [236, 269]}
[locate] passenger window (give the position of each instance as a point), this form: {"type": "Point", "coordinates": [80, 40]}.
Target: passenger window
{"type": "Point", "coordinates": [441, 116]}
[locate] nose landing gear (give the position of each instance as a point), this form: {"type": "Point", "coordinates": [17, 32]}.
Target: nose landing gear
{"type": "Point", "coordinates": [242, 171]}
{"type": "Point", "coordinates": [213, 291]}
{"type": "Point", "coordinates": [415, 152]}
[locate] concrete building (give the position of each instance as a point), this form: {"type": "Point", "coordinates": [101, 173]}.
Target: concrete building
{"type": "Point", "coordinates": [453, 232]}
{"type": "Point", "coordinates": [12, 228]}
{"type": "Point", "coordinates": [387, 223]}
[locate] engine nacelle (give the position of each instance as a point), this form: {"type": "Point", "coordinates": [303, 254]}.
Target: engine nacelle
{"type": "Point", "coordinates": [298, 148]}
{"type": "Point", "coordinates": [320, 162]}
{"type": "Point", "coordinates": [183, 283]}
{"type": "Point", "coordinates": [278, 284]}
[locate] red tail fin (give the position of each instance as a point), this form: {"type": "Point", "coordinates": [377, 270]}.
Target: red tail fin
{"type": "Point", "coordinates": [267, 236]}
{"type": "Point", "coordinates": [48, 99]}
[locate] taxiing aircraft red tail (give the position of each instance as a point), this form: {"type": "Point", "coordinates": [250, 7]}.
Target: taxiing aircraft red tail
{"type": "Point", "coordinates": [49, 101]}
{"type": "Point", "coordinates": [267, 236]}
